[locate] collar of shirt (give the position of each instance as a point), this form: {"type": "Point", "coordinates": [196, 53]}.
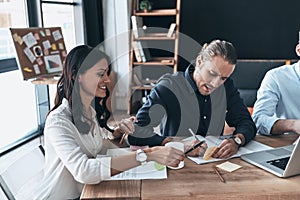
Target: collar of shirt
{"type": "Point", "coordinates": [189, 77]}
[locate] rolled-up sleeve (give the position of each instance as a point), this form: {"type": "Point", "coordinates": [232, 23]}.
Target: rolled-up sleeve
{"type": "Point", "coordinates": [265, 105]}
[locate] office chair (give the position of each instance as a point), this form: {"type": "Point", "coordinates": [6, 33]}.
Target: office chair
{"type": "Point", "coordinates": [21, 178]}
{"type": "Point", "coordinates": [248, 75]}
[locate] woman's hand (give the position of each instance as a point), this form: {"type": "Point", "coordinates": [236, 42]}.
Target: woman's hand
{"type": "Point", "coordinates": [126, 126]}
{"type": "Point", "coordinates": [165, 155]}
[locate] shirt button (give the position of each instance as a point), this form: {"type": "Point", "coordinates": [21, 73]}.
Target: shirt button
{"type": "Point", "coordinates": [205, 100]}
{"type": "Point", "coordinates": [204, 117]}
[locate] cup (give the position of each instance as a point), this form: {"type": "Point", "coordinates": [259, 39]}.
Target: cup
{"type": "Point", "coordinates": [179, 146]}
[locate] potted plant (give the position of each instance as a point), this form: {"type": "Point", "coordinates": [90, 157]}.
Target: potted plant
{"type": "Point", "coordinates": [145, 5]}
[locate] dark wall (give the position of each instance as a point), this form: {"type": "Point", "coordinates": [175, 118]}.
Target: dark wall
{"type": "Point", "coordinates": [259, 29]}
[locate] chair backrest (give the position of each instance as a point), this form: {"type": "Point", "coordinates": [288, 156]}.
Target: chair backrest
{"type": "Point", "coordinates": [23, 176]}
{"type": "Point", "coordinates": [248, 75]}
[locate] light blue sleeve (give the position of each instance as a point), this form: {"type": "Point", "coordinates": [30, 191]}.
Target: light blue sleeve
{"type": "Point", "coordinates": [266, 103]}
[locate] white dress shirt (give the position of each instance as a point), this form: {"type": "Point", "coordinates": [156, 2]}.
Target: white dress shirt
{"type": "Point", "coordinates": [71, 158]}
{"type": "Point", "coordinates": [278, 97]}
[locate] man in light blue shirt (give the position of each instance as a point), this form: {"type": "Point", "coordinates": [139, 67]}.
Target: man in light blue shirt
{"type": "Point", "coordinates": [277, 108]}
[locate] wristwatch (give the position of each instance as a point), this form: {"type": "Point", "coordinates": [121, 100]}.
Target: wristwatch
{"type": "Point", "coordinates": [237, 140]}
{"type": "Point", "coordinates": [141, 156]}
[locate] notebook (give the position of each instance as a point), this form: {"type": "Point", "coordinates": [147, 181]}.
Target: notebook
{"type": "Point", "coordinates": [282, 161]}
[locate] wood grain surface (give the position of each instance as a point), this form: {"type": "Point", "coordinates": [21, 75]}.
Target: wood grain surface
{"type": "Point", "coordinates": [201, 182]}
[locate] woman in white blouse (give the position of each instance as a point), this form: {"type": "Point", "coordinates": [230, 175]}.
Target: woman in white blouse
{"type": "Point", "coordinates": [76, 130]}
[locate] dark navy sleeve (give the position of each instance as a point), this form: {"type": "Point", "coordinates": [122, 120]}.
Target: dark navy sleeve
{"type": "Point", "coordinates": [237, 113]}
{"type": "Point", "coordinates": [150, 115]}
{"type": "Point", "coordinates": [154, 140]}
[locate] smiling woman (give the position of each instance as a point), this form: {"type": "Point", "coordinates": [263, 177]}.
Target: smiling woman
{"type": "Point", "coordinates": [76, 132]}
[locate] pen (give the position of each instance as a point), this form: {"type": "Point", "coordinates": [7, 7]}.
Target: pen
{"type": "Point", "coordinates": [133, 119]}
{"type": "Point", "coordinates": [123, 138]}
{"type": "Point", "coordinates": [191, 131]}
{"type": "Point", "coordinates": [194, 147]}
{"type": "Point", "coordinates": [219, 175]}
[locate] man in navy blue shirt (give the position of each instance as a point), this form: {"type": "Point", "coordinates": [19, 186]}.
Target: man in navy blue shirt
{"type": "Point", "coordinates": [202, 98]}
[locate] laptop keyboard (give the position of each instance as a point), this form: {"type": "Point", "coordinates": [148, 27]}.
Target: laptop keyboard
{"type": "Point", "coordinates": [281, 163]}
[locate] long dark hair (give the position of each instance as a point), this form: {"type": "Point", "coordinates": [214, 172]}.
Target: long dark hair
{"type": "Point", "coordinates": [78, 61]}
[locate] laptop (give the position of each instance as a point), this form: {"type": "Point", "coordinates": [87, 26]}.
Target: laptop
{"type": "Point", "coordinates": [281, 161]}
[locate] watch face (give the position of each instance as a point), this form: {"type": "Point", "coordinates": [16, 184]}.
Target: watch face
{"type": "Point", "coordinates": [238, 140]}
{"type": "Point", "coordinates": [141, 156]}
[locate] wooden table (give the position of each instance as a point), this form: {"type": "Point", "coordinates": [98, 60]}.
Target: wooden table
{"type": "Point", "coordinates": [200, 182]}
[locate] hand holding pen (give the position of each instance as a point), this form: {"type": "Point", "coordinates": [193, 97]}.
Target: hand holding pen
{"type": "Point", "coordinates": [125, 127]}
{"type": "Point", "coordinates": [196, 148]}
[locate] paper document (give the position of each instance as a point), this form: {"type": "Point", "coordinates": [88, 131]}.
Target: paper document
{"type": "Point", "coordinates": [252, 146]}
{"type": "Point", "coordinates": [296, 141]}
{"type": "Point", "coordinates": [148, 171]}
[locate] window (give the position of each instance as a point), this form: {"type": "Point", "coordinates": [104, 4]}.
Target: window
{"type": "Point", "coordinates": [18, 114]}
{"type": "Point", "coordinates": [12, 14]}
{"type": "Point", "coordinates": [64, 14]}
{"type": "Point", "coordinates": [24, 105]}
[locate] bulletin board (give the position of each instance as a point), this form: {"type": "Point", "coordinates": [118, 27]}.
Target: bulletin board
{"type": "Point", "coordinates": [40, 51]}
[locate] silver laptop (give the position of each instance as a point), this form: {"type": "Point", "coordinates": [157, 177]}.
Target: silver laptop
{"type": "Point", "coordinates": [282, 161]}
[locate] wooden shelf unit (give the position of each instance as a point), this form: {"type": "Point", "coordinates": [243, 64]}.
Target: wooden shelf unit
{"type": "Point", "coordinates": [158, 36]}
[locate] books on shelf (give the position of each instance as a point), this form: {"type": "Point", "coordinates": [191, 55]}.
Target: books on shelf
{"type": "Point", "coordinates": [136, 50]}
{"type": "Point", "coordinates": [171, 30]}
{"type": "Point", "coordinates": [141, 50]}
{"type": "Point", "coordinates": [141, 54]}
{"type": "Point", "coordinates": [137, 26]}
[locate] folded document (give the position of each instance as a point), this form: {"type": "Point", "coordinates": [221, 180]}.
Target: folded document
{"type": "Point", "coordinates": [151, 170]}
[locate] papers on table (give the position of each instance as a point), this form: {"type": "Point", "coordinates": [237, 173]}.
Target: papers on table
{"type": "Point", "coordinates": [252, 146]}
{"type": "Point", "coordinates": [296, 141]}
{"type": "Point", "coordinates": [149, 171]}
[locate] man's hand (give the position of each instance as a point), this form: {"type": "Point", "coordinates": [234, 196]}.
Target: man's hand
{"type": "Point", "coordinates": [297, 126]}
{"type": "Point", "coordinates": [199, 151]}
{"type": "Point", "coordinates": [226, 149]}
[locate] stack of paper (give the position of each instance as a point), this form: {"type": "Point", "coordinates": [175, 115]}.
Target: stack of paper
{"type": "Point", "coordinates": [147, 171]}
{"type": "Point", "coordinates": [252, 146]}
